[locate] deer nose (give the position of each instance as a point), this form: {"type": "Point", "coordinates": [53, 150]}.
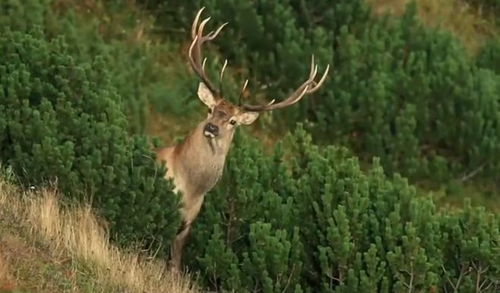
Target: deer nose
{"type": "Point", "coordinates": [211, 130]}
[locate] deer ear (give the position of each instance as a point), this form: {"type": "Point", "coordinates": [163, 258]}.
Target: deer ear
{"type": "Point", "coordinates": [206, 96]}
{"type": "Point", "coordinates": [247, 118]}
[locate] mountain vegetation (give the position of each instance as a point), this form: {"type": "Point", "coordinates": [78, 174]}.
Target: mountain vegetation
{"type": "Point", "coordinates": [387, 180]}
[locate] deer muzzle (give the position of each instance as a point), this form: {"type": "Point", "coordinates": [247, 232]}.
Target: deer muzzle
{"type": "Point", "coordinates": [211, 130]}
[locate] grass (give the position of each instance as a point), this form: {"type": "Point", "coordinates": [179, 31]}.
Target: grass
{"type": "Point", "coordinates": [471, 25]}
{"type": "Point", "coordinates": [45, 247]}
{"type": "Point", "coordinates": [455, 194]}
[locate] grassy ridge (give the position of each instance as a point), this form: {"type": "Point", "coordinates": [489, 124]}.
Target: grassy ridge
{"type": "Point", "coordinates": [45, 247]}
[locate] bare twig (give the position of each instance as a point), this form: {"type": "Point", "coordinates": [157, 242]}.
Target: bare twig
{"type": "Point", "coordinates": [473, 173]}
{"type": "Point", "coordinates": [411, 274]}
{"type": "Point", "coordinates": [289, 279]}
{"type": "Point", "coordinates": [479, 272]}
{"type": "Point", "coordinates": [462, 274]}
{"type": "Point", "coordinates": [496, 283]}
{"type": "Point", "coordinates": [334, 278]}
{"type": "Point", "coordinates": [411, 277]}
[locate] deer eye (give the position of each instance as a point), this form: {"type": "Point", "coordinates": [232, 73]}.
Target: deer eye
{"type": "Point", "coordinates": [209, 110]}
{"type": "Point", "coordinates": [232, 122]}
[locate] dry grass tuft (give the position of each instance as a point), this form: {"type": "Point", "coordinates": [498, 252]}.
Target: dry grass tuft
{"type": "Point", "coordinates": [469, 24]}
{"type": "Point", "coordinates": [76, 233]}
{"type": "Point", "coordinates": [6, 280]}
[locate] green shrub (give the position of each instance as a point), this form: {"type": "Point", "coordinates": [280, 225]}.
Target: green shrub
{"type": "Point", "coordinates": [398, 90]}
{"type": "Point", "coordinates": [316, 223]}
{"type": "Point", "coordinates": [63, 120]}
{"type": "Point", "coordinates": [489, 56]}
{"type": "Point", "coordinates": [15, 14]}
{"type": "Point", "coordinates": [301, 217]}
{"type": "Point", "coordinates": [145, 72]}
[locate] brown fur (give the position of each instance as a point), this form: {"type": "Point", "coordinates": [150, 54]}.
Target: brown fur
{"type": "Point", "coordinates": [195, 165]}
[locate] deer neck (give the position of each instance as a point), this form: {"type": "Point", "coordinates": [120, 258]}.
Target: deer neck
{"type": "Point", "coordinates": [200, 160]}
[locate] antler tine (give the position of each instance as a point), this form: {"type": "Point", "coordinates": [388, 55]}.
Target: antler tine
{"type": "Point", "coordinates": [203, 64]}
{"type": "Point", "coordinates": [195, 23]}
{"type": "Point", "coordinates": [213, 34]}
{"type": "Point", "coordinates": [195, 55]}
{"type": "Point", "coordinates": [242, 92]}
{"type": "Point", "coordinates": [321, 81]}
{"type": "Point", "coordinates": [308, 87]}
{"type": "Point", "coordinates": [222, 76]}
{"type": "Point", "coordinates": [222, 70]}
{"type": "Point", "coordinates": [311, 73]}
{"type": "Point", "coordinates": [201, 28]}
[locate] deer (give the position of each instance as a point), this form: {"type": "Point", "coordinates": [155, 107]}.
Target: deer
{"type": "Point", "coordinates": [196, 164]}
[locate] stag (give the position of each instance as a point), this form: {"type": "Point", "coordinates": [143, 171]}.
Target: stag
{"type": "Point", "coordinates": [195, 165]}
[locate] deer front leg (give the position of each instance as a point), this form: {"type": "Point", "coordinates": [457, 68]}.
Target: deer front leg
{"type": "Point", "coordinates": [189, 212]}
{"type": "Point", "coordinates": [177, 246]}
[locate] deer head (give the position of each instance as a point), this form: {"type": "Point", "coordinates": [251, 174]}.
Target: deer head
{"type": "Point", "coordinates": [223, 116]}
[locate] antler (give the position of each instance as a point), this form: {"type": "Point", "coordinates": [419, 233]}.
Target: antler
{"type": "Point", "coordinates": [308, 87]}
{"type": "Point", "coordinates": [195, 57]}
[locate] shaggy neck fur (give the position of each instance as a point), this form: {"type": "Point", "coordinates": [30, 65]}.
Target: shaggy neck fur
{"type": "Point", "coordinates": [201, 159]}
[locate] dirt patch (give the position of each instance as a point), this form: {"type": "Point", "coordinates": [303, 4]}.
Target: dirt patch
{"type": "Point", "coordinates": [21, 263]}
{"type": "Point", "coordinates": [7, 281]}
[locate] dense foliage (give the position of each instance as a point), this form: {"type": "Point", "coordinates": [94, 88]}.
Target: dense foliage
{"type": "Point", "coordinates": [316, 223]}
{"type": "Point", "coordinates": [489, 57]}
{"type": "Point", "coordinates": [63, 121]}
{"type": "Point", "coordinates": [114, 32]}
{"type": "Point", "coordinates": [303, 216]}
{"type": "Point", "coordinates": [399, 91]}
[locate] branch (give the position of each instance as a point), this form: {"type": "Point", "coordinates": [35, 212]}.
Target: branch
{"type": "Point", "coordinates": [473, 172]}
{"type": "Point", "coordinates": [496, 283]}
{"type": "Point", "coordinates": [411, 278]}
{"type": "Point", "coordinates": [479, 272]}
{"type": "Point", "coordinates": [462, 274]}
{"type": "Point", "coordinates": [339, 280]}
{"type": "Point", "coordinates": [289, 279]}
{"type": "Point", "coordinates": [411, 274]}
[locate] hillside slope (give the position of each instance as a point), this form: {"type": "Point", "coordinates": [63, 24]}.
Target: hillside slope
{"type": "Point", "coordinates": [47, 248]}
{"type": "Point", "coordinates": [472, 25]}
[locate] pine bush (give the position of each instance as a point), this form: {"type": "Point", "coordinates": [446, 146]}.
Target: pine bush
{"type": "Point", "coordinates": [300, 217]}
{"type": "Point", "coordinates": [400, 91]}
{"type": "Point", "coordinates": [489, 56]}
{"type": "Point", "coordinates": [146, 73]}
{"type": "Point", "coordinates": [63, 121]}
{"type": "Point", "coordinates": [142, 70]}
{"type": "Point", "coordinates": [308, 219]}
